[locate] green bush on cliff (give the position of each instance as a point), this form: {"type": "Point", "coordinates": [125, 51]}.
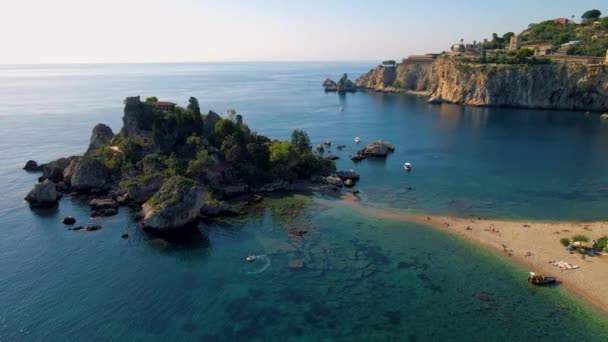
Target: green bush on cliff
{"type": "Point", "coordinates": [172, 191]}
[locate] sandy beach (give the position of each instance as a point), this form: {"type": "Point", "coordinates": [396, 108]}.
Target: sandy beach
{"type": "Point", "coordinates": [532, 244]}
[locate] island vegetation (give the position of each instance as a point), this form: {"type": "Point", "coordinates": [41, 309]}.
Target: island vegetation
{"type": "Point", "coordinates": [173, 160]}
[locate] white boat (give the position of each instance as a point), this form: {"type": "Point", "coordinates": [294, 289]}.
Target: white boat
{"type": "Point", "coordinates": [407, 166]}
{"type": "Point", "coordinates": [357, 140]}
{"type": "Point", "coordinates": [250, 258]}
{"type": "Point", "coordinates": [341, 109]}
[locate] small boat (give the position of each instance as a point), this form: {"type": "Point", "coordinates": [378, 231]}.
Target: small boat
{"type": "Point", "coordinates": [407, 166]}
{"type": "Point", "coordinates": [539, 279]}
{"type": "Point", "coordinates": [250, 258]}
{"type": "Point", "coordinates": [341, 109]}
{"type": "Point", "coordinates": [357, 140]}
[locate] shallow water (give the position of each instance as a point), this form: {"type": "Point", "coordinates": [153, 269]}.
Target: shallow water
{"type": "Point", "coordinates": [361, 278]}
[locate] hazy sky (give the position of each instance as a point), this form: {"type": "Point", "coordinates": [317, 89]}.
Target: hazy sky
{"type": "Point", "coordinates": [66, 31]}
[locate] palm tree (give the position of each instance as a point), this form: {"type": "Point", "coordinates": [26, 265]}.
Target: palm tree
{"type": "Point", "coordinates": [461, 40]}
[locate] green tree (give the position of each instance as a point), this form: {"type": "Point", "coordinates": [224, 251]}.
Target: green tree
{"type": "Point", "coordinates": [523, 54]}
{"type": "Point", "coordinates": [591, 15]}
{"type": "Point", "coordinates": [231, 114]}
{"type": "Point", "coordinates": [224, 128]}
{"type": "Point", "coordinates": [300, 140]}
{"type": "Point", "coordinates": [152, 99]}
{"type": "Point", "coordinates": [389, 63]}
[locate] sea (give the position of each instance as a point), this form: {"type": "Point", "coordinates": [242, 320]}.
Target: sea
{"type": "Point", "coordinates": [351, 277]}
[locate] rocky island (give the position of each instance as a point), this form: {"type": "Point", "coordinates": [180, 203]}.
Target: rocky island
{"type": "Point", "coordinates": [174, 164]}
{"type": "Point", "coordinates": [343, 85]}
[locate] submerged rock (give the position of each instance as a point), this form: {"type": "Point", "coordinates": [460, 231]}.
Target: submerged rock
{"type": "Point", "coordinates": [43, 194]}
{"type": "Point", "coordinates": [85, 228]}
{"type": "Point", "coordinates": [102, 134]}
{"type": "Point", "coordinates": [103, 203]}
{"type": "Point", "coordinates": [176, 204]}
{"type": "Point", "coordinates": [332, 157]}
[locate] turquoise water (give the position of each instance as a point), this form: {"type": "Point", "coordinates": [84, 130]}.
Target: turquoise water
{"type": "Point", "coordinates": [362, 278]}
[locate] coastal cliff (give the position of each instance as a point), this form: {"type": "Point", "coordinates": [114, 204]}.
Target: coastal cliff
{"type": "Point", "coordinates": [552, 86]}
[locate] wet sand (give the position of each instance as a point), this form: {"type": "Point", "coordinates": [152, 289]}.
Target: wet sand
{"type": "Point", "coordinates": [540, 238]}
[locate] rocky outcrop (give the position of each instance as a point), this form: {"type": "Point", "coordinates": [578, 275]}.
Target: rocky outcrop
{"type": "Point", "coordinates": [102, 134]}
{"type": "Point", "coordinates": [32, 166]}
{"type": "Point", "coordinates": [343, 85]}
{"type": "Point", "coordinates": [348, 174]}
{"type": "Point", "coordinates": [552, 86]}
{"type": "Point", "coordinates": [176, 204]}
{"type": "Point", "coordinates": [143, 189]}
{"type": "Point", "coordinates": [69, 171]}
{"type": "Point", "coordinates": [377, 149]}
{"type": "Point", "coordinates": [90, 174]}
{"type": "Point", "coordinates": [54, 170]}
{"type": "Point", "coordinates": [209, 122]}
{"type": "Point", "coordinates": [43, 194]}
{"type": "Point", "coordinates": [103, 207]}
{"type": "Point", "coordinates": [333, 180]}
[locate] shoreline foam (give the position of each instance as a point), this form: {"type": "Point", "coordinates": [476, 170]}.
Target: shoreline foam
{"type": "Point", "coordinates": [540, 238]}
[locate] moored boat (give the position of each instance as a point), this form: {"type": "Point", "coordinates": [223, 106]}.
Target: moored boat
{"type": "Point", "coordinates": [357, 140]}
{"type": "Point", "coordinates": [539, 279]}
{"type": "Point", "coordinates": [407, 166]}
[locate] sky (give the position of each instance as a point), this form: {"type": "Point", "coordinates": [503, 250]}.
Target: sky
{"type": "Point", "coordinates": [136, 31]}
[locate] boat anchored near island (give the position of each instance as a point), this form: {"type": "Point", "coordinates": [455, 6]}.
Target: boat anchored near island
{"type": "Point", "coordinates": [357, 140]}
{"type": "Point", "coordinates": [539, 279]}
{"type": "Point", "coordinates": [407, 166]}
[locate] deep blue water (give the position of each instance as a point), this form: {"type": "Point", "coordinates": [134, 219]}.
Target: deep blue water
{"type": "Point", "coordinates": [362, 278]}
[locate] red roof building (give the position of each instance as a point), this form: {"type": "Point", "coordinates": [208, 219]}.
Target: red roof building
{"type": "Point", "coordinates": [561, 21]}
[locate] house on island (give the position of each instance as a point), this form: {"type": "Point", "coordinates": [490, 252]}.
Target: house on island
{"type": "Point", "coordinates": [515, 43]}
{"type": "Point", "coordinates": [164, 105]}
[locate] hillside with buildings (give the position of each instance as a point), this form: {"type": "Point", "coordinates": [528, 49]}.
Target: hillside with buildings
{"type": "Point", "coordinates": [555, 64]}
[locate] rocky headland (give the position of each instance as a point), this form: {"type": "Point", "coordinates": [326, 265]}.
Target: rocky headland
{"type": "Point", "coordinates": [566, 86]}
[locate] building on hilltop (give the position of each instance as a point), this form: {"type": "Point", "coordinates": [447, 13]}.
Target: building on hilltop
{"type": "Point", "coordinates": [164, 105]}
{"type": "Point", "coordinates": [561, 21]}
{"type": "Point", "coordinates": [515, 43]}
{"type": "Point", "coordinates": [458, 48]}
{"type": "Point", "coordinates": [426, 58]}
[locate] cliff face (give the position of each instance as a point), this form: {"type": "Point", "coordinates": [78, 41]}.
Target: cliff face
{"type": "Point", "coordinates": [552, 86]}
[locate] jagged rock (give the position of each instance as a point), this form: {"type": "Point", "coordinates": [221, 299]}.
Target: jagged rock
{"type": "Point", "coordinates": [332, 157]}
{"type": "Point", "coordinates": [209, 122]}
{"type": "Point", "coordinates": [69, 220]}
{"type": "Point", "coordinates": [344, 84]}
{"type": "Point", "coordinates": [101, 135]}
{"type": "Point", "coordinates": [41, 179]}
{"type": "Point", "coordinates": [348, 174]}
{"type": "Point", "coordinates": [330, 85]}
{"type": "Point", "coordinates": [349, 183]}
{"type": "Point", "coordinates": [142, 190]}
{"type": "Point", "coordinates": [176, 204]}
{"type": "Point", "coordinates": [103, 203]}
{"type": "Point", "coordinates": [377, 149]}
{"type": "Point", "coordinates": [333, 180]}
{"type": "Point", "coordinates": [90, 174]}
{"type": "Point", "coordinates": [43, 194]}
{"type": "Point", "coordinates": [54, 170]}
{"type": "Point", "coordinates": [69, 170]}
{"type": "Point", "coordinates": [32, 166]}
{"type": "Point", "coordinates": [218, 209]}
{"type": "Point", "coordinates": [357, 158]}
